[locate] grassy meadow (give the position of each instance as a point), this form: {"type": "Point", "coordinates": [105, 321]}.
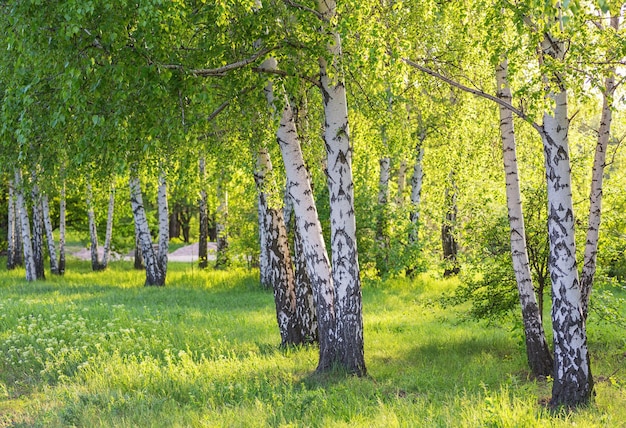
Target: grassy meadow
{"type": "Point", "coordinates": [99, 349]}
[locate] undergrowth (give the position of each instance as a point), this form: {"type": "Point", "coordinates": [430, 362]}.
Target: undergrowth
{"type": "Point", "coordinates": [99, 349]}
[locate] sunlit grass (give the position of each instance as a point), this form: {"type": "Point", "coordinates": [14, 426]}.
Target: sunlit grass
{"type": "Point", "coordinates": [99, 349]}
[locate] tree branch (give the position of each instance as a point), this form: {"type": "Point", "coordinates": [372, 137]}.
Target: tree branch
{"type": "Point", "coordinates": [306, 9]}
{"type": "Point", "coordinates": [476, 92]}
{"type": "Point", "coordinates": [283, 73]}
{"type": "Point", "coordinates": [226, 103]}
{"type": "Point", "coordinates": [219, 71]}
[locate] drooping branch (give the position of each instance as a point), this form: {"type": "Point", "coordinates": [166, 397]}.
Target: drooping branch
{"type": "Point", "coordinates": [283, 73]}
{"type": "Point", "coordinates": [219, 71]}
{"type": "Point", "coordinates": [226, 103]}
{"type": "Point", "coordinates": [478, 93]}
{"type": "Point", "coordinates": [306, 9]}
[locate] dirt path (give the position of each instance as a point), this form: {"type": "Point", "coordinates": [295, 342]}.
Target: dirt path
{"type": "Point", "coordinates": [188, 253]}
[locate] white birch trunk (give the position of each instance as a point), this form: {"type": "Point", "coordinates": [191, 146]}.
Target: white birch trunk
{"type": "Point", "coordinates": [62, 231]}
{"type": "Point", "coordinates": [222, 258]}
{"type": "Point", "coordinates": [382, 238]}
{"type": "Point", "coordinates": [262, 166]}
{"type": "Point", "coordinates": [595, 194]}
{"type": "Point", "coordinates": [54, 266]}
{"type": "Point", "coordinates": [345, 262]}
{"type": "Point", "coordinates": [203, 219]}
{"type": "Point", "coordinates": [573, 384]}
{"type": "Point", "coordinates": [313, 246]}
{"type": "Point", "coordinates": [164, 231]}
{"type": "Point", "coordinates": [11, 229]}
{"type": "Point", "coordinates": [154, 276]}
{"type": "Point", "coordinates": [417, 179]}
{"type": "Point", "coordinates": [29, 262]}
{"type": "Point", "coordinates": [538, 354]}
{"type": "Point", "coordinates": [109, 228]}
{"type": "Point", "coordinates": [37, 231]}
{"type": "Point", "coordinates": [96, 264]}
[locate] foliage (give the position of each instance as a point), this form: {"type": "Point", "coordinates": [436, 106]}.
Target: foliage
{"type": "Point", "coordinates": [105, 351]}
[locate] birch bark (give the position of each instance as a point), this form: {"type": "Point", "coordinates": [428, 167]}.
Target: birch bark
{"type": "Point", "coordinates": [537, 351]}
{"type": "Point", "coordinates": [109, 229]}
{"type": "Point", "coordinates": [38, 231]}
{"type": "Point", "coordinates": [573, 383]}
{"type": "Point", "coordinates": [164, 231]}
{"type": "Point", "coordinates": [96, 264]}
{"type": "Point", "coordinates": [595, 194]}
{"type": "Point", "coordinates": [345, 260]}
{"type": "Point", "coordinates": [54, 266]}
{"type": "Point", "coordinates": [154, 275]}
{"type": "Point", "coordinates": [29, 262]}
{"type": "Point", "coordinates": [203, 262]}
{"type": "Point", "coordinates": [313, 245]}
{"type": "Point", "coordinates": [62, 231]}
{"type": "Point", "coordinates": [11, 229]}
{"type": "Point", "coordinates": [222, 258]}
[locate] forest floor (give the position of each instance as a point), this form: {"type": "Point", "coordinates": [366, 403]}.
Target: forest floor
{"type": "Point", "coordinates": [188, 253]}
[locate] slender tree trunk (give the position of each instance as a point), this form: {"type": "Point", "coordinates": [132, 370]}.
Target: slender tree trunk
{"type": "Point", "coordinates": [382, 237]}
{"type": "Point", "coordinates": [62, 231]}
{"type": "Point", "coordinates": [573, 383]}
{"type": "Point", "coordinates": [11, 229]}
{"type": "Point", "coordinates": [537, 350]}
{"type": "Point", "coordinates": [313, 245]}
{"type": "Point", "coordinates": [222, 258]}
{"type": "Point", "coordinates": [96, 264]}
{"type": "Point", "coordinates": [154, 275]}
{"type": "Point", "coordinates": [345, 260]}
{"type": "Point", "coordinates": [37, 238]}
{"type": "Point", "coordinates": [203, 262]}
{"type": "Point", "coordinates": [164, 235]}
{"type": "Point", "coordinates": [305, 298]}
{"type": "Point", "coordinates": [263, 163]}
{"type": "Point", "coordinates": [448, 238]}
{"type": "Point", "coordinates": [174, 224]}
{"type": "Point", "coordinates": [595, 195]}
{"type": "Point", "coordinates": [54, 266]}
{"type": "Point", "coordinates": [184, 222]}
{"type": "Point", "coordinates": [417, 178]}
{"type": "Point", "coordinates": [109, 229]}
{"type": "Point", "coordinates": [29, 261]}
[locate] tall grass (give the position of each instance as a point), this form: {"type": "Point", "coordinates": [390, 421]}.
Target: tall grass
{"type": "Point", "coordinates": [99, 349]}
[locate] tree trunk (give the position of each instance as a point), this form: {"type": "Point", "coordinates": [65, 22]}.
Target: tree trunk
{"type": "Point", "coordinates": [222, 258]}
{"type": "Point", "coordinates": [154, 275]}
{"type": "Point", "coordinates": [138, 259]}
{"type": "Point", "coordinates": [204, 219]}
{"type": "Point", "coordinates": [11, 230]}
{"type": "Point", "coordinates": [417, 178]}
{"type": "Point", "coordinates": [37, 238]}
{"type": "Point", "coordinates": [279, 270]}
{"type": "Point", "coordinates": [573, 383]}
{"type": "Point", "coordinates": [164, 235]}
{"type": "Point", "coordinates": [109, 229]}
{"type": "Point", "coordinates": [184, 221]}
{"type": "Point", "coordinates": [537, 351]}
{"type": "Point", "coordinates": [595, 195]}
{"type": "Point", "coordinates": [263, 169]}
{"type": "Point", "coordinates": [305, 298]}
{"type": "Point", "coordinates": [174, 224]}
{"type": "Point", "coordinates": [96, 264]}
{"type": "Point", "coordinates": [448, 238]}
{"type": "Point", "coordinates": [62, 231]}
{"type": "Point", "coordinates": [27, 246]}
{"type": "Point", "coordinates": [382, 237]}
{"type": "Point", "coordinates": [54, 266]}
{"type": "Point", "coordinates": [310, 229]}
{"type": "Point", "coordinates": [345, 260]}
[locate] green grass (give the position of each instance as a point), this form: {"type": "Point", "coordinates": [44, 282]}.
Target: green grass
{"type": "Point", "coordinates": [99, 349]}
